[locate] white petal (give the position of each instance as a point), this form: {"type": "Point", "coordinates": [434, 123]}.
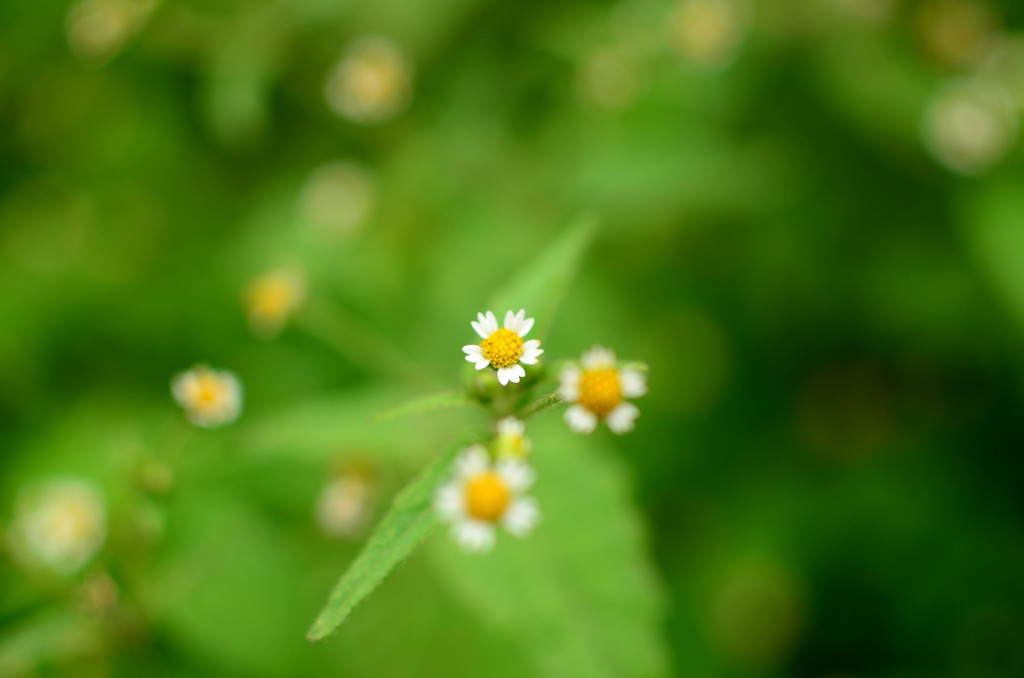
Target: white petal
{"type": "Point", "coordinates": [449, 502]}
{"type": "Point", "coordinates": [511, 426]}
{"type": "Point", "coordinates": [504, 375]}
{"type": "Point", "coordinates": [518, 372]}
{"type": "Point", "coordinates": [521, 517]}
{"type": "Point", "coordinates": [531, 351]}
{"type": "Point", "coordinates": [598, 358]}
{"type": "Point", "coordinates": [472, 349]}
{"type": "Point", "coordinates": [474, 460]}
{"type": "Point", "coordinates": [482, 362]}
{"type": "Point", "coordinates": [479, 329]}
{"type": "Point", "coordinates": [525, 326]}
{"type": "Point", "coordinates": [512, 321]}
{"type": "Point", "coordinates": [569, 385]}
{"type": "Point", "coordinates": [621, 419]}
{"type": "Point", "coordinates": [519, 476]}
{"type": "Point", "coordinates": [580, 419]}
{"type": "Point", "coordinates": [490, 323]}
{"type": "Point", "coordinates": [634, 383]}
{"type": "Point", "coordinates": [474, 535]}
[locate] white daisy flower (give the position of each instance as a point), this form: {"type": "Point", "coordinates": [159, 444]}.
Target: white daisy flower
{"type": "Point", "coordinates": [61, 525]}
{"type": "Point", "coordinates": [270, 299]}
{"type": "Point", "coordinates": [484, 494]}
{"type": "Point", "coordinates": [343, 507]}
{"type": "Point", "coordinates": [511, 442]}
{"type": "Point", "coordinates": [599, 391]}
{"type": "Point", "coordinates": [211, 398]}
{"type": "Point", "coordinates": [504, 348]}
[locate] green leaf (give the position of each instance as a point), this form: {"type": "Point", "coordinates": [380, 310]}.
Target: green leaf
{"type": "Point", "coordinates": [430, 403]}
{"type": "Point", "coordinates": [406, 525]}
{"type": "Point", "coordinates": [541, 286]}
{"type": "Point", "coordinates": [580, 595]}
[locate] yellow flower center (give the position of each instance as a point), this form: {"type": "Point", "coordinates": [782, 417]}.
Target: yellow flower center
{"type": "Point", "coordinates": [209, 392]}
{"type": "Point", "coordinates": [272, 298]}
{"type": "Point", "coordinates": [487, 496]}
{"type": "Point", "coordinates": [503, 348]}
{"type": "Point", "coordinates": [600, 390]}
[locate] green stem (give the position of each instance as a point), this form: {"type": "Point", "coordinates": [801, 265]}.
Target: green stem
{"type": "Point", "coordinates": [545, 402]}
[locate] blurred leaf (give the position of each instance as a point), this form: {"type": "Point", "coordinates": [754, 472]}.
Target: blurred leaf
{"type": "Point", "coordinates": [48, 636]}
{"type": "Point", "coordinates": [580, 593]}
{"type": "Point", "coordinates": [541, 286]}
{"type": "Point", "coordinates": [323, 427]}
{"type": "Point", "coordinates": [995, 233]}
{"type": "Point", "coordinates": [406, 525]}
{"type": "Point", "coordinates": [430, 403]}
{"type": "Point", "coordinates": [224, 588]}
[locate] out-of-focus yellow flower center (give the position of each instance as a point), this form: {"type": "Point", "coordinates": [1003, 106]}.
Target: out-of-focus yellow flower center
{"type": "Point", "coordinates": [209, 392]}
{"type": "Point", "coordinates": [503, 348]}
{"type": "Point", "coordinates": [376, 81]}
{"type": "Point", "coordinates": [487, 496]}
{"type": "Point", "coordinates": [600, 390]}
{"type": "Point", "coordinates": [510, 446]}
{"type": "Point", "coordinates": [68, 523]}
{"type": "Point", "coordinates": [272, 298]}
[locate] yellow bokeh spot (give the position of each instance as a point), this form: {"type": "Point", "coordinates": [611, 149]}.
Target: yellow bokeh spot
{"type": "Point", "coordinates": [600, 390]}
{"type": "Point", "coordinates": [487, 496]}
{"type": "Point", "coordinates": [503, 348]}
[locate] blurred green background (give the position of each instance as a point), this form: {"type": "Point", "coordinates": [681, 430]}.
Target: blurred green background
{"type": "Point", "coordinates": [811, 228]}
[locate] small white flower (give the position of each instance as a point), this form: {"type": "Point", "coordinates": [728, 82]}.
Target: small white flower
{"type": "Point", "coordinates": [270, 299]}
{"type": "Point", "coordinates": [371, 83]}
{"type": "Point", "coordinates": [969, 126]}
{"type": "Point", "coordinates": [60, 526]}
{"type": "Point", "coordinates": [211, 398]}
{"type": "Point", "coordinates": [599, 391]}
{"type": "Point", "coordinates": [484, 494]}
{"type": "Point", "coordinates": [504, 348]}
{"type": "Point", "coordinates": [511, 442]}
{"type": "Point", "coordinates": [343, 507]}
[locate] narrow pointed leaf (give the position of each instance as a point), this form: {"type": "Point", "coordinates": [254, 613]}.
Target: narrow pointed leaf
{"type": "Point", "coordinates": [540, 287]}
{"type": "Point", "coordinates": [406, 525]}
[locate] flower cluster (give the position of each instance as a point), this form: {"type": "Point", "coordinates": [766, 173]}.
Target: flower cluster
{"type": "Point", "coordinates": [489, 484]}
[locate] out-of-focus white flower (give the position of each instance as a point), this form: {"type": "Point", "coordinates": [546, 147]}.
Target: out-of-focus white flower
{"type": "Point", "coordinates": [100, 29]}
{"type": "Point", "coordinates": [970, 125]}
{"type": "Point", "coordinates": [954, 31]}
{"type": "Point", "coordinates": [609, 78]}
{"type": "Point", "coordinates": [483, 495]}
{"type": "Point", "coordinates": [211, 398]}
{"type": "Point", "coordinates": [708, 33]}
{"type": "Point", "coordinates": [511, 442]}
{"type": "Point", "coordinates": [504, 349]}
{"type": "Point", "coordinates": [270, 299]}
{"type": "Point", "coordinates": [60, 525]}
{"type": "Point", "coordinates": [344, 506]}
{"type": "Point", "coordinates": [599, 391]}
{"type": "Point", "coordinates": [371, 83]}
{"type": "Point", "coordinates": [337, 200]}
